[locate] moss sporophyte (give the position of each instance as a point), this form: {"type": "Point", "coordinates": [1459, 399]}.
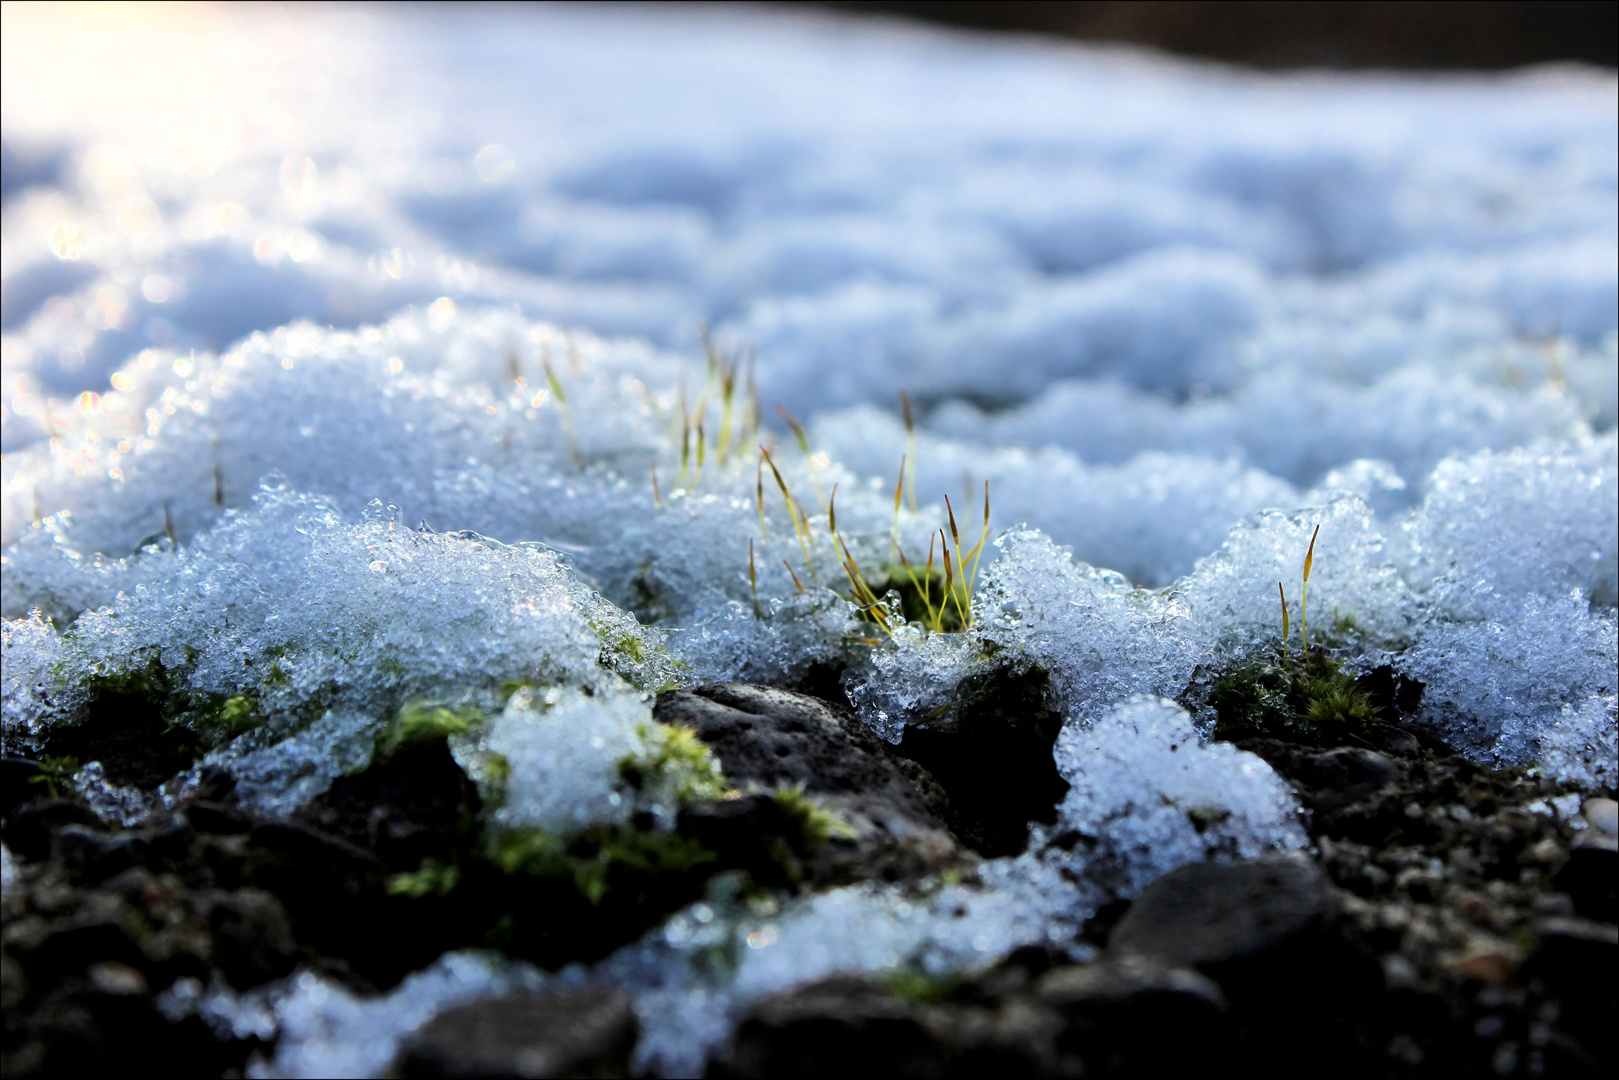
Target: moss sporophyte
{"type": "Point", "coordinates": [1269, 696]}
{"type": "Point", "coordinates": [937, 597]}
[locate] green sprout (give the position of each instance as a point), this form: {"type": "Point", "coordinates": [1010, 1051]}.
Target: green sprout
{"type": "Point", "coordinates": [56, 775]}
{"type": "Point", "coordinates": [423, 721]}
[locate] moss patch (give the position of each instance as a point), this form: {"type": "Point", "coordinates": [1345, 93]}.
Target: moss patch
{"type": "Point", "coordinates": [1261, 697]}
{"type": "Point", "coordinates": [674, 768]}
{"type": "Point", "coordinates": [424, 721]}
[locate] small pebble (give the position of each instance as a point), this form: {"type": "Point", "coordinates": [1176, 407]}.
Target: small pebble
{"type": "Point", "coordinates": [118, 980]}
{"type": "Point", "coordinates": [1603, 814]}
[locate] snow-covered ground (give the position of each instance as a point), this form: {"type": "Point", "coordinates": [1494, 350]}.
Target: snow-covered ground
{"type": "Point", "coordinates": [315, 292]}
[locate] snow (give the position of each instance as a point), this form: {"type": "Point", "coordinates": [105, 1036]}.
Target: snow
{"type": "Point", "coordinates": [352, 359]}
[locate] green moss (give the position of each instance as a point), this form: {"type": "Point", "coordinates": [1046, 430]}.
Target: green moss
{"type": "Point", "coordinates": [56, 776]}
{"type": "Point", "coordinates": [909, 984]}
{"type": "Point", "coordinates": [423, 721]}
{"type": "Point", "coordinates": [1202, 817]}
{"type": "Point", "coordinates": [222, 719]}
{"type": "Point", "coordinates": [816, 824]}
{"type": "Point", "coordinates": [599, 859]}
{"type": "Point", "coordinates": [1262, 697]}
{"type": "Point", "coordinates": [675, 766]}
{"type": "Point", "coordinates": [433, 878]}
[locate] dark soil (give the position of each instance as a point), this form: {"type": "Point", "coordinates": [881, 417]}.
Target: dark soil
{"type": "Point", "coordinates": [1445, 923]}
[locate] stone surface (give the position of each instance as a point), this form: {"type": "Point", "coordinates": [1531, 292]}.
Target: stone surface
{"type": "Point", "coordinates": [1114, 1015]}
{"type": "Point", "coordinates": [1221, 917]}
{"type": "Point", "coordinates": [769, 739]}
{"type": "Point", "coordinates": [578, 1033]}
{"type": "Point", "coordinates": [993, 759]}
{"type": "Point", "coordinates": [1602, 814]}
{"type": "Point", "coordinates": [856, 1026]}
{"type": "Point", "coordinates": [1591, 876]}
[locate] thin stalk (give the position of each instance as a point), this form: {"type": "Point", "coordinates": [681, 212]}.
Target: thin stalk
{"type": "Point", "coordinates": [759, 498]}
{"type": "Point", "coordinates": [657, 495]}
{"type": "Point", "coordinates": [800, 528]}
{"type": "Point", "coordinates": [802, 438]}
{"type": "Point", "coordinates": [977, 551]}
{"type": "Point", "coordinates": [963, 606]}
{"type": "Point", "coordinates": [1283, 594]}
{"type": "Point", "coordinates": [1304, 603]}
{"type": "Point", "coordinates": [555, 384]}
{"type": "Point", "coordinates": [899, 493]}
{"type": "Point", "coordinates": [727, 396]}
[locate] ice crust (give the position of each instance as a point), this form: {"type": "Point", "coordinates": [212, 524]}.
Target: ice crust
{"type": "Point", "coordinates": [364, 385]}
{"type": "Point", "coordinates": [1149, 793]}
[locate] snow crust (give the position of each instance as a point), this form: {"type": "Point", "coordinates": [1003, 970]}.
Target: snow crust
{"type": "Point", "coordinates": [366, 374]}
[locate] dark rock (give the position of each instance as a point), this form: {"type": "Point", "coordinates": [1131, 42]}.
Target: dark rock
{"type": "Point", "coordinates": [331, 889]}
{"type": "Point", "coordinates": [29, 831]}
{"type": "Point", "coordinates": [17, 787]}
{"type": "Point", "coordinates": [216, 818]}
{"type": "Point", "coordinates": [417, 804]}
{"type": "Point", "coordinates": [1576, 956]}
{"type": "Point", "coordinates": [215, 785]}
{"type": "Point", "coordinates": [95, 854]}
{"type": "Point", "coordinates": [1342, 776]}
{"type": "Point", "coordinates": [580, 1033]}
{"type": "Point", "coordinates": [1115, 1013]}
{"type": "Point", "coordinates": [852, 1024]}
{"type": "Point", "coordinates": [994, 761]}
{"type": "Point", "coordinates": [848, 1026]}
{"type": "Point", "coordinates": [1395, 696]}
{"type": "Point", "coordinates": [776, 738]}
{"type": "Point", "coordinates": [74, 945]}
{"type": "Point", "coordinates": [1576, 959]}
{"type": "Point", "coordinates": [769, 738]}
{"type": "Point", "coordinates": [1222, 918]}
{"type": "Point", "coordinates": [130, 735]}
{"type": "Point", "coordinates": [252, 937]}
{"type": "Point", "coordinates": [1591, 876]}
{"type": "Point", "coordinates": [753, 833]}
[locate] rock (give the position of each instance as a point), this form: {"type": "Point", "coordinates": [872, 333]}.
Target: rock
{"type": "Point", "coordinates": [29, 831]}
{"type": "Point", "coordinates": [1602, 814]}
{"type": "Point", "coordinates": [776, 738]}
{"type": "Point", "coordinates": [753, 833]}
{"type": "Point", "coordinates": [579, 1033]}
{"type": "Point", "coordinates": [1591, 876]}
{"type": "Point", "coordinates": [417, 804]}
{"type": "Point", "coordinates": [1575, 959]}
{"type": "Point", "coordinates": [767, 738]}
{"type": "Point", "coordinates": [1345, 775]}
{"type": "Point", "coordinates": [95, 855]}
{"type": "Point", "coordinates": [1114, 1015]}
{"type": "Point", "coordinates": [129, 733]}
{"type": "Point", "coordinates": [847, 1025]}
{"type": "Point", "coordinates": [17, 788]}
{"type": "Point", "coordinates": [333, 893]}
{"type": "Point", "coordinates": [1575, 956]}
{"type": "Point", "coordinates": [994, 760]}
{"type": "Point", "coordinates": [75, 944]}
{"type": "Point", "coordinates": [252, 936]}
{"type": "Point", "coordinates": [218, 819]}
{"type": "Point", "coordinates": [1223, 918]}
{"type": "Point", "coordinates": [858, 1024]}
{"type": "Point", "coordinates": [116, 979]}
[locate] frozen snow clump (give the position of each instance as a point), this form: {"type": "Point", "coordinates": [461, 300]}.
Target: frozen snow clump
{"type": "Point", "coordinates": [1150, 794]}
